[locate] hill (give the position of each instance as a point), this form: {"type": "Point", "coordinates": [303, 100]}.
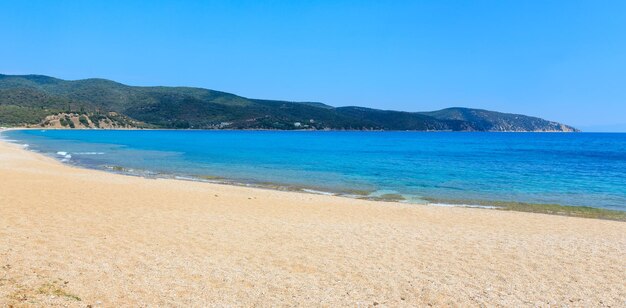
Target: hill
{"type": "Point", "coordinates": [36, 100]}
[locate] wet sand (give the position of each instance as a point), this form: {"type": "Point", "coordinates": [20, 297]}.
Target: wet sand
{"type": "Point", "coordinates": [77, 237]}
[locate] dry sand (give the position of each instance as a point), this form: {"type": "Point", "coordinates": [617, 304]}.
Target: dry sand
{"type": "Point", "coordinates": [78, 237]}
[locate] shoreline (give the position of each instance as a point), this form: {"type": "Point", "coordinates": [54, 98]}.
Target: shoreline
{"type": "Point", "coordinates": [296, 130]}
{"type": "Point", "coordinates": [552, 209]}
{"type": "Point", "coordinates": [77, 237]}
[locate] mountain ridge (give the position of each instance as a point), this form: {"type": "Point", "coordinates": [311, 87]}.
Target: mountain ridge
{"type": "Point", "coordinates": [44, 101]}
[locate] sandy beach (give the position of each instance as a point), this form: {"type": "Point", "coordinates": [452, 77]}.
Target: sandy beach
{"type": "Point", "coordinates": [77, 237]}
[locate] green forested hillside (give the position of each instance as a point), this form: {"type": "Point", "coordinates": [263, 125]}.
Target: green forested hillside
{"type": "Point", "coordinates": [32, 99]}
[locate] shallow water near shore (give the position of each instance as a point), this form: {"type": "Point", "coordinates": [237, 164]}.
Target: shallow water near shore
{"type": "Point", "coordinates": [582, 169]}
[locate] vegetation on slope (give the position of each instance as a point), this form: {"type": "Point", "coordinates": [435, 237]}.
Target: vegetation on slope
{"type": "Point", "coordinates": [30, 99]}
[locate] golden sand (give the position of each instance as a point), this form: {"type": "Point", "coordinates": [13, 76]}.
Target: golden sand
{"type": "Point", "coordinates": [76, 237]}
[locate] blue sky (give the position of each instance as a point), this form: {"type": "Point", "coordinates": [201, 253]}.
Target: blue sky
{"type": "Point", "coordinates": [561, 60]}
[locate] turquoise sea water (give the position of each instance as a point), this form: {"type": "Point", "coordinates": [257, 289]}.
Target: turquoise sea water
{"type": "Point", "coordinates": [586, 169]}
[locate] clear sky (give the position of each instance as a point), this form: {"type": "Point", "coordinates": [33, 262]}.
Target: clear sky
{"type": "Point", "coordinates": [561, 60]}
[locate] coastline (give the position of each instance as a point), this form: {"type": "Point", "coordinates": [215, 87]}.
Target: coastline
{"type": "Point", "coordinates": [545, 208]}
{"type": "Point", "coordinates": [77, 237]}
{"type": "Point", "coordinates": [291, 130]}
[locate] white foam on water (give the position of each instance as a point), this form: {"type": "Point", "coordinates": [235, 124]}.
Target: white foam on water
{"type": "Point", "coordinates": [318, 192]}
{"type": "Point", "coordinates": [89, 153]}
{"type": "Point", "coordinates": [349, 195]}
{"type": "Point", "coordinates": [66, 156]}
{"type": "Point", "coordinates": [465, 205]}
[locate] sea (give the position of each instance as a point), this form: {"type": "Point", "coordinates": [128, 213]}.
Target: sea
{"type": "Point", "coordinates": [441, 168]}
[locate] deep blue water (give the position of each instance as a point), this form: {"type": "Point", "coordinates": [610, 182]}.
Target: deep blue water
{"type": "Point", "coordinates": [570, 169]}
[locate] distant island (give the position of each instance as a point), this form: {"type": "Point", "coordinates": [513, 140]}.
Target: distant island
{"type": "Point", "coordinates": [43, 101]}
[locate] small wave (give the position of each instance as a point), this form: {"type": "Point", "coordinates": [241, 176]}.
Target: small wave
{"type": "Point", "coordinates": [89, 153]}
{"type": "Point", "coordinates": [465, 205]}
{"type": "Point", "coordinates": [318, 192]}
{"type": "Point", "coordinates": [66, 156]}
